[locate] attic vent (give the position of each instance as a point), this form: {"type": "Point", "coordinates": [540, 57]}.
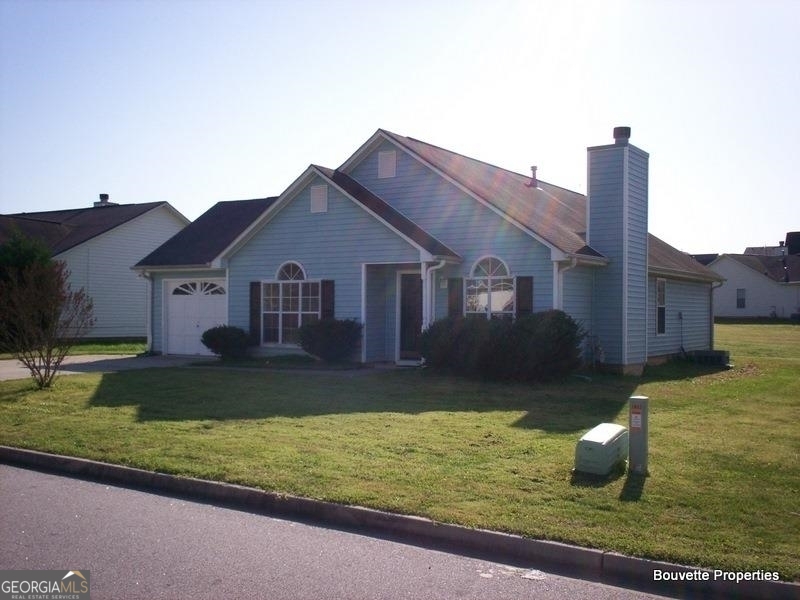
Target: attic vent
{"type": "Point", "coordinates": [387, 164]}
{"type": "Point", "coordinates": [319, 198]}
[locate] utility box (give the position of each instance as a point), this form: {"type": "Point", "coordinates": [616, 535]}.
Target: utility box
{"type": "Point", "coordinates": [601, 448]}
{"type": "Point", "coordinates": [638, 416]}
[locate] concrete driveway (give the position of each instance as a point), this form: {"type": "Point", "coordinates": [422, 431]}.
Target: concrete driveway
{"type": "Point", "coordinates": [101, 363]}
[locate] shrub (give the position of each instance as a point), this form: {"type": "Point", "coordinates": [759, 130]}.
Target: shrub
{"type": "Point", "coordinates": [537, 347]}
{"type": "Point", "coordinates": [544, 346]}
{"type": "Point", "coordinates": [456, 343]}
{"type": "Point", "coordinates": [226, 341]}
{"type": "Point", "coordinates": [332, 340]}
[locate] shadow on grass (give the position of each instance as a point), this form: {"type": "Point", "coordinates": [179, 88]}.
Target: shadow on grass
{"type": "Point", "coordinates": [677, 370]}
{"type": "Point", "coordinates": [634, 488]}
{"type": "Point", "coordinates": [223, 395]}
{"type": "Point", "coordinates": [580, 479]}
{"type": "Point", "coordinates": [203, 394]}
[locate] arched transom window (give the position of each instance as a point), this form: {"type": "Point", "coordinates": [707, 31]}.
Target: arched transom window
{"type": "Point", "coordinates": [490, 289]}
{"type": "Point", "coordinates": [288, 302]}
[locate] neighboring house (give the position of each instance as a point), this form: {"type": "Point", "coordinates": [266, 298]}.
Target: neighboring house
{"type": "Point", "coordinates": [404, 233]}
{"type": "Point", "coordinates": [757, 285]}
{"type": "Point", "coordinates": [99, 246]}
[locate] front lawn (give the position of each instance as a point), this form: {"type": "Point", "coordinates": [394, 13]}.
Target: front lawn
{"type": "Point", "coordinates": [724, 447]}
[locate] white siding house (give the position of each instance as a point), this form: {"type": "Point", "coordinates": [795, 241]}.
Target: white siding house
{"type": "Point", "coordinates": [99, 246]}
{"type": "Point", "coordinates": [756, 286]}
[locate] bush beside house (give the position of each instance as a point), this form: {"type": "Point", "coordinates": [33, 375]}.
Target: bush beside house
{"type": "Point", "coordinates": [226, 341]}
{"type": "Point", "coordinates": [538, 347]}
{"type": "Point", "coordinates": [332, 340]}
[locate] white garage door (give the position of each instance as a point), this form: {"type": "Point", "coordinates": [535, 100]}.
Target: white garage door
{"type": "Point", "coordinates": [192, 307]}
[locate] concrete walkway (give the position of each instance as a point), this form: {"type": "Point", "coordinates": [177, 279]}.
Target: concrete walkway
{"type": "Point", "coordinates": [100, 363]}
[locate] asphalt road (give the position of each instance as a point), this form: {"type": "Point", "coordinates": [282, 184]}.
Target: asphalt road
{"type": "Point", "coordinates": [140, 545]}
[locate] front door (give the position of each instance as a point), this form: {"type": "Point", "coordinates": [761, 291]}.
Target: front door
{"type": "Point", "coordinates": [410, 315]}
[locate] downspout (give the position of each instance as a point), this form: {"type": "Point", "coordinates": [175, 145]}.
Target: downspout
{"type": "Point", "coordinates": [711, 311]}
{"type": "Point", "coordinates": [148, 312]}
{"type": "Point", "coordinates": [428, 308]}
{"type": "Point", "coordinates": [558, 301]}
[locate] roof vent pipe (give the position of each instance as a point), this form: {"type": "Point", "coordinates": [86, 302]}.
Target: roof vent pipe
{"type": "Point", "coordinates": [533, 182]}
{"type": "Point", "coordinates": [103, 201]}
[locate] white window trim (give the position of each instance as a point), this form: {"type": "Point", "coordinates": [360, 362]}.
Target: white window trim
{"type": "Point", "coordinates": [661, 281]}
{"type": "Point", "coordinates": [280, 311]}
{"type": "Point", "coordinates": [285, 264]}
{"type": "Point", "coordinates": [489, 279]}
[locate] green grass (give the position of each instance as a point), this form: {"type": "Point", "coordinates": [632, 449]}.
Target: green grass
{"type": "Point", "coordinates": [121, 346]}
{"type": "Point", "coordinates": [723, 457]}
{"type": "Point", "coordinates": [111, 346]}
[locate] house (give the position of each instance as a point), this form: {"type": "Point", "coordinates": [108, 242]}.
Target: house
{"type": "Point", "coordinates": [405, 232]}
{"type": "Point", "coordinates": [99, 245]}
{"type": "Point", "coordinates": [757, 285]}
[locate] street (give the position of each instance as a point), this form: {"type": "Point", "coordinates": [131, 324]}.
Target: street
{"type": "Point", "coordinates": [140, 545]}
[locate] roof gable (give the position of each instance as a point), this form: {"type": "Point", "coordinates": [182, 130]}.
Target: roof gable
{"type": "Point", "coordinates": [61, 230]}
{"type": "Point", "coordinates": [554, 214]}
{"type": "Point", "coordinates": [781, 269]}
{"type": "Point", "coordinates": [203, 241]}
{"type": "Point", "coordinates": [388, 214]}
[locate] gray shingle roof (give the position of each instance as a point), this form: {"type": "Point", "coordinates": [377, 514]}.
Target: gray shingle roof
{"type": "Point", "coordinates": [61, 230]}
{"type": "Point", "coordinates": [783, 269]}
{"type": "Point", "coordinates": [203, 240]}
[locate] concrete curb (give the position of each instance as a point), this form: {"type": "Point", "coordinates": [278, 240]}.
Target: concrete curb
{"type": "Point", "coordinates": [573, 561]}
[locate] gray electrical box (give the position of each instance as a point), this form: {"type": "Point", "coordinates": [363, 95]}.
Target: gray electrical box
{"type": "Point", "coordinates": [601, 448]}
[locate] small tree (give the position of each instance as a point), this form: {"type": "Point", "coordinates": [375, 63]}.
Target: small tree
{"type": "Point", "coordinates": [42, 317]}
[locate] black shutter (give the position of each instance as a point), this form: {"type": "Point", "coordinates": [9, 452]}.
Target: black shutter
{"type": "Point", "coordinates": [255, 313]}
{"type": "Point", "coordinates": [455, 297]}
{"type": "Point", "coordinates": [524, 296]}
{"type": "Point", "coordinates": [327, 294]}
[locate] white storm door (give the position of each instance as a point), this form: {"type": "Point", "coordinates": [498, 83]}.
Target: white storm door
{"type": "Point", "coordinates": [193, 307]}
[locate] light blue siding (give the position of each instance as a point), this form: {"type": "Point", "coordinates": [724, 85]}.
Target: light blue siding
{"type": "Point", "coordinates": [577, 296]}
{"type": "Point", "coordinates": [460, 222]}
{"type": "Point", "coordinates": [381, 311]}
{"type": "Point", "coordinates": [688, 300]}
{"type": "Point", "coordinates": [637, 256]}
{"type": "Point", "coordinates": [329, 245]}
{"type": "Point", "coordinates": [618, 229]}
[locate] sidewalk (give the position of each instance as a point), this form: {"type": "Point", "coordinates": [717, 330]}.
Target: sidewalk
{"type": "Point", "coordinates": [100, 363]}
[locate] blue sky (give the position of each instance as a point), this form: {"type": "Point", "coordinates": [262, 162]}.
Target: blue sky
{"type": "Point", "coordinates": [193, 102]}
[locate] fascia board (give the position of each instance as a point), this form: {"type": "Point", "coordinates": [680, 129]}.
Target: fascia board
{"type": "Point", "coordinates": [365, 148]}
{"type": "Point", "coordinates": [676, 274]}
